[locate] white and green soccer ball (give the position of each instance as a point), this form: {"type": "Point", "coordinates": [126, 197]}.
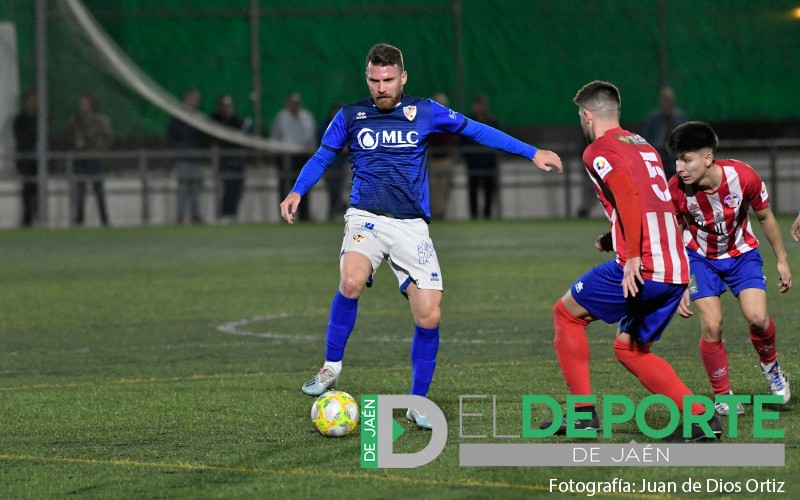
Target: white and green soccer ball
{"type": "Point", "coordinates": [335, 414]}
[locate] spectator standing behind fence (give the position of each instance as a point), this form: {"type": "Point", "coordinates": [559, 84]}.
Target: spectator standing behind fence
{"type": "Point", "coordinates": [189, 170]}
{"type": "Point", "coordinates": [482, 171]}
{"type": "Point", "coordinates": [659, 123]}
{"type": "Point", "coordinates": [294, 125]}
{"type": "Point", "coordinates": [440, 164]}
{"type": "Point", "coordinates": [334, 176]}
{"type": "Point", "coordinates": [25, 135]}
{"type": "Point", "coordinates": [231, 168]}
{"type": "Point", "coordinates": [89, 130]}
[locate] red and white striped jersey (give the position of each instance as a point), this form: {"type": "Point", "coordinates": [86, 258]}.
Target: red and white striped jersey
{"type": "Point", "coordinates": [663, 256]}
{"type": "Point", "coordinates": [716, 224]}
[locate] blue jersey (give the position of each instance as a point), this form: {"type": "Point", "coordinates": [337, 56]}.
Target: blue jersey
{"type": "Point", "coordinates": [388, 152]}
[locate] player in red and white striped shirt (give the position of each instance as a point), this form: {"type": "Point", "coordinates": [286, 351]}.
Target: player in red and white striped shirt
{"type": "Point", "coordinates": [712, 199]}
{"type": "Point", "coordinates": [642, 287]}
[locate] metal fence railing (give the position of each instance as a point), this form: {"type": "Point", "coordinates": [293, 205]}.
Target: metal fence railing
{"type": "Point", "coordinates": [141, 185]}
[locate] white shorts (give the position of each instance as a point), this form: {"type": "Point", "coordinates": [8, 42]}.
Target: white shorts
{"type": "Point", "coordinates": [404, 243]}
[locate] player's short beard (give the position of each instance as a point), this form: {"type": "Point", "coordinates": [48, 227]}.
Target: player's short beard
{"type": "Point", "coordinates": [587, 133]}
{"type": "Point", "coordinates": [388, 103]}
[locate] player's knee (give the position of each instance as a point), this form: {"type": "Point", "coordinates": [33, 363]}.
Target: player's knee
{"type": "Point", "coordinates": [351, 286]}
{"type": "Point", "coordinates": [758, 322]}
{"type": "Point", "coordinates": [712, 330]}
{"type": "Point", "coordinates": [428, 318]}
{"type": "Point", "coordinates": [560, 311]}
{"type": "Point", "coordinates": [622, 352]}
{"type": "Point", "coordinates": [629, 353]}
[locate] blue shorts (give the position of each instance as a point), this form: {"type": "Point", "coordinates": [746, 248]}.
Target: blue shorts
{"type": "Point", "coordinates": [645, 317]}
{"type": "Point", "coordinates": [712, 277]}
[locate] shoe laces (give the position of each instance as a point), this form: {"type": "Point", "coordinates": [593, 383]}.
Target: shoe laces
{"type": "Point", "coordinates": [776, 378]}
{"type": "Point", "coordinates": [325, 375]}
{"type": "Point", "coordinates": [417, 413]}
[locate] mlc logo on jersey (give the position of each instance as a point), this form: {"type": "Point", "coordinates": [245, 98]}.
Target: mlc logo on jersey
{"type": "Point", "coordinates": [369, 139]}
{"type": "Point", "coordinates": [379, 431]}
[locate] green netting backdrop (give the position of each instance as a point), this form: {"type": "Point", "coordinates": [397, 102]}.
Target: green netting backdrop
{"type": "Point", "coordinates": [731, 60]}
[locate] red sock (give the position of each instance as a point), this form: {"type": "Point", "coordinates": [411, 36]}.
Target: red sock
{"type": "Point", "coordinates": [715, 361]}
{"type": "Point", "coordinates": [764, 342]}
{"type": "Point", "coordinates": [572, 350]}
{"type": "Point", "coordinates": [654, 373]}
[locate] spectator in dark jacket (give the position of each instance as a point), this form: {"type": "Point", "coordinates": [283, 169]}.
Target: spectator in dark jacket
{"type": "Point", "coordinates": [188, 170]}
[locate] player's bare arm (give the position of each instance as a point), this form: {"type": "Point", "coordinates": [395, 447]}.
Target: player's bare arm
{"type": "Point", "coordinates": [632, 277]}
{"type": "Point", "coordinates": [629, 212]}
{"type": "Point", "coordinates": [289, 206]}
{"type": "Point", "coordinates": [544, 158]}
{"type": "Point", "coordinates": [796, 229]}
{"type": "Point", "coordinates": [773, 233]}
{"type": "Point", "coordinates": [684, 306]}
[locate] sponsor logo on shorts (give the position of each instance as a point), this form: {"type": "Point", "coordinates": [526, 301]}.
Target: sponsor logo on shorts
{"type": "Point", "coordinates": [434, 276]}
{"type": "Point", "coordinates": [579, 286]}
{"type": "Point", "coordinates": [425, 252]}
{"type": "Point", "coordinates": [692, 284]}
{"type": "Point", "coordinates": [368, 226]}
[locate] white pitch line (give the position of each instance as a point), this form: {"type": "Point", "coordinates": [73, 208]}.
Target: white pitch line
{"type": "Point", "coordinates": [238, 327]}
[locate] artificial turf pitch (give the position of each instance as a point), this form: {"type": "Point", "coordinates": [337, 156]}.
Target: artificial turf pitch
{"type": "Point", "coordinates": [167, 362]}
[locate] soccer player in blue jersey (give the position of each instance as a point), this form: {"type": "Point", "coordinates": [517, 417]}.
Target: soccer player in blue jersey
{"type": "Point", "coordinates": [387, 137]}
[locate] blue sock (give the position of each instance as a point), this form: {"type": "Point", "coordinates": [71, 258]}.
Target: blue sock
{"type": "Point", "coordinates": [340, 324]}
{"type": "Point", "coordinates": [423, 359]}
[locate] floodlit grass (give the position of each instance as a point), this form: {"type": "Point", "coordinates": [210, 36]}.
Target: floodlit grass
{"type": "Point", "coordinates": [117, 379]}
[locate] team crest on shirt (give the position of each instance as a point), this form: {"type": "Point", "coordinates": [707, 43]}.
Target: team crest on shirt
{"type": "Point", "coordinates": [410, 112]}
{"type": "Point", "coordinates": [601, 166]}
{"type": "Point", "coordinates": [764, 194]}
{"type": "Point", "coordinates": [733, 200]}
{"type": "Point", "coordinates": [694, 207]}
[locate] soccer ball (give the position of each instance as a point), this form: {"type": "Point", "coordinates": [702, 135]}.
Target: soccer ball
{"type": "Point", "coordinates": [334, 414]}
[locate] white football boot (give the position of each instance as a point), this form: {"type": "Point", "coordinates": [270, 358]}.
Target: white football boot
{"type": "Point", "coordinates": [322, 381]}
{"type": "Point", "coordinates": [778, 381]}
